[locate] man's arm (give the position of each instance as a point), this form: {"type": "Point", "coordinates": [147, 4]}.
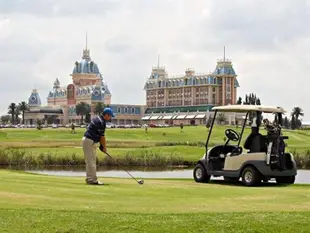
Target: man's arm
{"type": "Point", "coordinates": [102, 136]}
{"type": "Point", "coordinates": [103, 143]}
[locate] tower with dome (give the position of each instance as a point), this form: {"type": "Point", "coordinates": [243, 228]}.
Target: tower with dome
{"type": "Point", "coordinates": [185, 99]}
{"type": "Point", "coordinates": [87, 86]}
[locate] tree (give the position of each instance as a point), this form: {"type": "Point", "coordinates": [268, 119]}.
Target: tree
{"type": "Point", "coordinates": [99, 108]}
{"type": "Point", "coordinates": [82, 109]}
{"type": "Point", "coordinates": [296, 113]}
{"type": "Point", "coordinates": [286, 123]}
{"type": "Point", "coordinates": [251, 99]}
{"type": "Point", "coordinates": [5, 119]}
{"type": "Point", "coordinates": [17, 114]}
{"type": "Point", "coordinates": [39, 124]}
{"type": "Point", "coordinates": [221, 118]}
{"type": "Point", "coordinates": [209, 121]}
{"type": "Point", "coordinates": [239, 101]}
{"type": "Point", "coordinates": [23, 107]}
{"type": "Point", "coordinates": [12, 111]}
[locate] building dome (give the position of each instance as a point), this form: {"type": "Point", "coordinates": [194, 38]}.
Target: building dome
{"type": "Point", "coordinates": [86, 65]}
{"type": "Point", "coordinates": [34, 100]}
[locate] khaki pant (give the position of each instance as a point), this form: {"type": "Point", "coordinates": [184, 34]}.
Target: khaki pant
{"type": "Point", "coordinates": [89, 149]}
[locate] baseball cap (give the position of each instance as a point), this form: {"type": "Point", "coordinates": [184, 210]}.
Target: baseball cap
{"type": "Point", "coordinates": [108, 111]}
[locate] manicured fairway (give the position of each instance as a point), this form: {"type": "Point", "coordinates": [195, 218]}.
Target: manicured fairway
{"type": "Point", "coordinates": [37, 203]}
{"type": "Point", "coordinates": [160, 146]}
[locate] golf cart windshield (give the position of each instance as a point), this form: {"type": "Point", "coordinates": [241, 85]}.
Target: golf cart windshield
{"type": "Point", "coordinates": [246, 116]}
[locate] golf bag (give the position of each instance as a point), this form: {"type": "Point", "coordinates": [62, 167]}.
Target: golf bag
{"type": "Point", "coordinates": [275, 146]}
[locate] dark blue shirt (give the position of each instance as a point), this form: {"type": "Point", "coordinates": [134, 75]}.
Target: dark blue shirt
{"type": "Point", "coordinates": [96, 129]}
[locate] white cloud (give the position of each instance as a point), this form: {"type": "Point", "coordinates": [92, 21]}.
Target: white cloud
{"type": "Point", "coordinates": [266, 40]}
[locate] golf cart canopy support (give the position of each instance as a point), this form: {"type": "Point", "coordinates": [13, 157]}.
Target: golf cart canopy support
{"type": "Point", "coordinates": [249, 108]}
{"type": "Point", "coordinates": [242, 108]}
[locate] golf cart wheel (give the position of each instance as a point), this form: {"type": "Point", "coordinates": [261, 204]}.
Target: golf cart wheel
{"type": "Point", "coordinates": [285, 179]}
{"type": "Point", "coordinates": [200, 174]}
{"type": "Point", "coordinates": [250, 176]}
{"type": "Point", "coordinates": [231, 179]}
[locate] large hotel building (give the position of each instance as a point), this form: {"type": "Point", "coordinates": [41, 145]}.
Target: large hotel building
{"type": "Point", "coordinates": [189, 98]}
{"type": "Point", "coordinates": [185, 99]}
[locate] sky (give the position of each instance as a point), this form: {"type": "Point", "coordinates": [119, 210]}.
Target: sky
{"type": "Point", "coordinates": [267, 41]}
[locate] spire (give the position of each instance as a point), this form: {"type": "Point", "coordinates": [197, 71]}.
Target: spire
{"type": "Point", "coordinates": [86, 52]}
{"type": "Point", "coordinates": [86, 41]}
{"type": "Point", "coordinates": [158, 62]}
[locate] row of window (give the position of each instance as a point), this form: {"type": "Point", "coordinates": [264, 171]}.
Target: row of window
{"type": "Point", "coordinates": [126, 110]}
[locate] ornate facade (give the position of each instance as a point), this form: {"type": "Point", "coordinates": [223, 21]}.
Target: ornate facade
{"type": "Point", "coordinates": [87, 86]}
{"type": "Point", "coordinates": [185, 99]}
{"type": "Point", "coordinates": [188, 98]}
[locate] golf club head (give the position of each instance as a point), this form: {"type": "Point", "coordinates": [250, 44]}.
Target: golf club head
{"type": "Point", "coordinates": [140, 181]}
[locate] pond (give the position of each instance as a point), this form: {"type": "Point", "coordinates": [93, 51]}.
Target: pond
{"type": "Point", "coordinates": [303, 176]}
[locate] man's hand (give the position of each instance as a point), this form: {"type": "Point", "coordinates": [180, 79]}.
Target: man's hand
{"type": "Point", "coordinates": [103, 149]}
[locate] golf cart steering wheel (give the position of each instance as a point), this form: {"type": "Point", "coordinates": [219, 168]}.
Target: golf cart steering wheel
{"type": "Point", "coordinates": [232, 135]}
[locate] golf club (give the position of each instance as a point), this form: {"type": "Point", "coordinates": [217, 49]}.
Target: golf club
{"type": "Point", "coordinates": [138, 181]}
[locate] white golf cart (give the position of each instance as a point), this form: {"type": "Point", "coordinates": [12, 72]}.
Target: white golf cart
{"type": "Point", "coordinates": [265, 159]}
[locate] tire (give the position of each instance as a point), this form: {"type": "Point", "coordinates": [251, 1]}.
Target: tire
{"type": "Point", "coordinates": [250, 176]}
{"type": "Point", "coordinates": [285, 179]}
{"type": "Point", "coordinates": [231, 179]}
{"type": "Point", "coordinates": [200, 174]}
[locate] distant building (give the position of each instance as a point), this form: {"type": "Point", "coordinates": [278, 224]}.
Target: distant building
{"type": "Point", "coordinates": [189, 98]}
{"type": "Point", "coordinates": [87, 86]}
{"type": "Point", "coordinates": [186, 99]}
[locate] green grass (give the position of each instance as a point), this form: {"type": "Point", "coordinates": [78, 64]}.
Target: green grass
{"type": "Point", "coordinates": [168, 144]}
{"type": "Point", "coordinates": [37, 203]}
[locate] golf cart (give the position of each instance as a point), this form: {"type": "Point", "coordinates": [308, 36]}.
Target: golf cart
{"type": "Point", "coordinates": [264, 159]}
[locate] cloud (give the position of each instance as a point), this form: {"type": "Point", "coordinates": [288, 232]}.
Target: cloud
{"type": "Point", "coordinates": [266, 40]}
{"type": "Point", "coordinates": [58, 8]}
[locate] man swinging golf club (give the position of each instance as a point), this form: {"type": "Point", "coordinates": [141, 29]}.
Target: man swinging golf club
{"type": "Point", "coordinates": [94, 135]}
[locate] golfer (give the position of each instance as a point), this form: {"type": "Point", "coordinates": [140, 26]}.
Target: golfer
{"type": "Point", "coordinates": [94, 135]}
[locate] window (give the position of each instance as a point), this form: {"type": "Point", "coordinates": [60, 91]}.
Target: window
{"type": "Point", "coordinates": [213, 89]}
{"type": "Point", "coordinates": [118, 109]}
{"type": "Point", "coordinates": [133, 110]}
{"type": "Point", "coordinates": [126, 110]}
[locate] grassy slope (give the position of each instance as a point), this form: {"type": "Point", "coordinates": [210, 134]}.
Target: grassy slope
{"type": "Point", "coordinates": [121, 141]}
{"type": "Point", "coordinates": [36, 203]}
{"type": "Point", "coordinates": [298, 139]}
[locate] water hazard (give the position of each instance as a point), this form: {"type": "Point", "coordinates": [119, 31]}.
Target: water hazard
{"type": "Point", "coordinates": [303, 176]}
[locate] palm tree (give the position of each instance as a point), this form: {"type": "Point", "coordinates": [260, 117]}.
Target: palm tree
{"type": "Point", "coordinates": [82, 109]}
{"type": "Point", "coordinates": [23, 107]}
{"type": "Point", "coordinates": [17, 114]}
{"type": "Point", "coordinates": [297, 112]}
{"type": "Point", "coordinates": [221, 118]}
{"type": "Point", "coordinates": [12, 111]}
{"type": "Point", "coordinates": [99, 108]}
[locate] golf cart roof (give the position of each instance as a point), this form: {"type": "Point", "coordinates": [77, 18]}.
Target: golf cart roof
{"type": "Point", "coordinates": [249, 108]}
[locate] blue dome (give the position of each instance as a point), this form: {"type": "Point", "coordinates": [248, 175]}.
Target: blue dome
{"type": "Point", "coordinates": [34, 99]}
{"type": "Point", "coordinates": [86, 65]}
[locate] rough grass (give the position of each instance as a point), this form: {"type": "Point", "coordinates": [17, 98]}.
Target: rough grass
{"type": "Point", "coordinates": [161, 146]}
{"type": "Point", "coordinates": [37, 203]}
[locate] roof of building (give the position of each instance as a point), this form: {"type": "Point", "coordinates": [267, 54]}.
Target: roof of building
{"type": "Point", "coordinates": [224, 67]}
{"type": "Point", "coordinates": [202, 108]}
{"type": "Point", "coordinates": [46, 110]}
{"type": "Point", "coordinates": [246, 108]}
{"type": "Point", "coordinates": [34, 98]}
{"type": "Point", "coordinates": [86, 65]}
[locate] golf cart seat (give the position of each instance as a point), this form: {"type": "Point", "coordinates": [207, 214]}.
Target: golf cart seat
{"type": "Point", "coordinates": [255, 143]}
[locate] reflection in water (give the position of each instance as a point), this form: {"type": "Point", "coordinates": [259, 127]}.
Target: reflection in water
{"type": "Point", "coordinates": [303, 176]}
